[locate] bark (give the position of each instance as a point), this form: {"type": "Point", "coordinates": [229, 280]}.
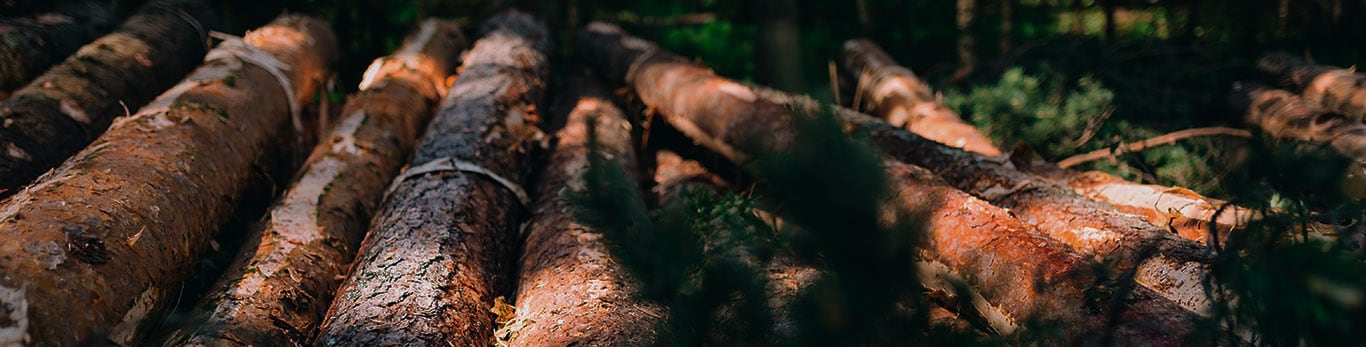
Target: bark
{"type": "Point", "coordinates": [103, 242]}
{"type": "Point", "coordinates": [31, 44]}
{"type": "Point", "coordinates": [1288, 116]}
{"type": "Point", "coordinates": [440, 249]}
{"type": "Point", "coordinates": [1335, 89]}
{"type": "Point", "coordinates": [283, 280]}
{"type": "Point", "coordinates": [73, 103]}
{"type": "Point", "coordinates": [572, 291]}
{"type": "Point", "coordinates": [893, 90]}
{"type": "Point", "coordinates": [1019, 269]}
{"type": "Point", "coordinates": [896, 94]}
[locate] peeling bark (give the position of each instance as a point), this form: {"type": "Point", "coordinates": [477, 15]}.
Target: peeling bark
{"type": "Point", "coordinates": [281, 284]}
{"type": "Point", "coordinates": [440, 249]}
{"type": "Point", "coordinates": [73, 103]}
{"type": "Point", "coordinates": [1288, 116]}
{"type": "Point", "coordinates": [31, 44]}
{"type": "Point", "coordinates": [1023, 271]}
{"type": "Point", "coordinates": [894, 93]}
{"type": "Point", "coordinates": [1332, 88]}
{"type": "Point", "coordinates": [105, 240]}
{"type": "Point", "coordinates": [571, 291]}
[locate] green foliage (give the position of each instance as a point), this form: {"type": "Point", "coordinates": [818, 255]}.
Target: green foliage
{"type": "Point", "coordinates": [1051, 117]}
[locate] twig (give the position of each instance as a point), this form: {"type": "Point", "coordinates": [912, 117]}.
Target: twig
{"type": "Point", "coordinates": [1138, 146]}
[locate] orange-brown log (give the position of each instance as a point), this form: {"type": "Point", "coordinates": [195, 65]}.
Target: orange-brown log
{"type": "Point", "coordinates": [1332, 88]}
{"type": "Point", "coordinates": [894, 93]}
{"type": "Point", "coordinates": [572, 291]}
{"type": "Point", "coordinates": [282, 282]}
{"type": "Point", "coordinates": [441, 248]}
{"type": "Point", "coordinates": [1023, 271]}
{"type": "Point", "coordinates": [1288, 116]}
{"type": "Point", "coordinates": [889, 91]}
{"type": "Point", "coordinates": [103, 242]}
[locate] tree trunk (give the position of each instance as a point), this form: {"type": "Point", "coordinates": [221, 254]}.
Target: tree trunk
{"type": "Point", "coordinates": [74, 102]}
{"type": "Point", "coordinates": [777, 50]}
{"type": "Point", "coordinates": [894, 90]}
{"type": "Point", "coordinates": [1334, 89]}
{"type": "Point", "coordinates": [901, 98]}
{"type": "Point", "coordinates": [572, 291]}
{"type": "Point", "coordinates": [441, 247]}
{"type": "Point", "coordinates": [31, 44]}
{"type": "Point", "coordinates": [1024, 272]}
{"type": "Point", "coordinates": [1285, 115]}
{"type": "Point", "coordinates": [283, 281]}
{"type": "Point", "coordinates": [965, 12]}
{"type": "Point", "coordinates": [103, 242]}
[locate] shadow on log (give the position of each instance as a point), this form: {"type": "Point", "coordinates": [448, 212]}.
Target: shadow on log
{"type": "Point", "coordinates": [103, 242]}
{"type": "Point", "coordinates": [73, 103]}
{"type": "Point", "coordinates": [441, 247]}
{"type": "Point", "coordinates": [31, 44]}
{"type": "Point", "coordinates": [281, 284]}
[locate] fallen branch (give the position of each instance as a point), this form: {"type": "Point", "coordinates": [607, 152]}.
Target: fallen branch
{"type": "Point", "coordinates": [572, 291]}
{"type": "Point", "coordinates": [281, 284]}
{"type": "Point", "coordinates": [106, 240]}
{"type": "Point", "coordinates": [1141, 145]}
{"type": "Point", "coordinates": [440, 249]}
{"type": "Point", "coordinates": [1027, 274]}
{"type": "Point", "coordinates": [73, 103]}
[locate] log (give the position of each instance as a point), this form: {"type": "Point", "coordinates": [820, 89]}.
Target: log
{"type": "Point", "coordinates": [1335, 89]}
{"type": "Point", "coordinates": [1019, 269]}
{"type": "Point", "coordinates": [31, 44]}
{"type": "Point", "coordinates": [73, 103]}
{"type": "Point", "coordinates": [571, 290]}
{"type": "Point", "coordinates": [282, 282]}
{"type": "Point", "coordinates": [104, 241]}
{"type": "Point", "coordinates": [1288, 116]}
{"type": "Point", "coordinates": [440, 249]}
{"type": "Point", "coordinates": [894, 94]}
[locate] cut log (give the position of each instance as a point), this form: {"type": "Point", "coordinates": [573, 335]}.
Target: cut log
{"type": "Point", "coordinates": [104, 241]}
{"type": "Point", "coordinates": [282, 282]}
{"type": "Point", "coordinates": [1335, 89]}
{"type": "Point", "coordinates": [1286, 115]}
{"type": "Point", "coordinates": [31, 44]}
{"type": "Point", "coordinates": [1024, 272]}
{"type": "Point", "coordinates": [572, 291]}
{"type": "Point", "coordinates": [73, 103]}
{"type": "Point", "coordinates": [894, 94]}
{"type": "Point", "coordinates": [440, 249]}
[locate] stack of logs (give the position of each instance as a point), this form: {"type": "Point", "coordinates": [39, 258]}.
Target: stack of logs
{"type": "Point", "coordinates": [395, 231]}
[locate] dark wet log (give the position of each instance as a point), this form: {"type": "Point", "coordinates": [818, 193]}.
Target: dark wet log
{"type": "Point", "coordinates": [281, 284]}
{"type": "Point", "coordinates": [1288, 116]}
{"type": "Point", "coordinates": [881, 87]}
{"type": "Point", "coordinates": [1332, 88]}
{"type": "Point", "coordinates": [31, 44]}
{"type": "Point", "coordinates": [104, 241]}
{"type": "Point", "coordinates": [1017, 268]}
{"type": "Point", "coordinates": [73, 103]}
{"type": "Point", "coordinates": [441, 247]}
{"type": "Point", "coordinates": [572, 291]}
{"type": "Point", "coordinates": [896, 95]}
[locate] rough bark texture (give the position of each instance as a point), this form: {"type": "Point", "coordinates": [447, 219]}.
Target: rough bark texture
{"type": "Point", "coordinates": [572, 292]}
{"type": "Point", "coordinates": [1024, 272]}
{"type": "Point", "coordinates": [104, 241]}
{"type": "Point", "coordinates": [893, 92]}
{"type": "Point", "coordinates": [281, 284]}
{"type": "Point", "coordinates": [31, 44]}
{"type": "Point", "coordinates": [441, 248]}
{"type": "Point", "coordinates": [1286, 115]}
{"type": "Point", "coordinates": [1335, 89]}
{"type": "Point", "coordinates": [74, 102]}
